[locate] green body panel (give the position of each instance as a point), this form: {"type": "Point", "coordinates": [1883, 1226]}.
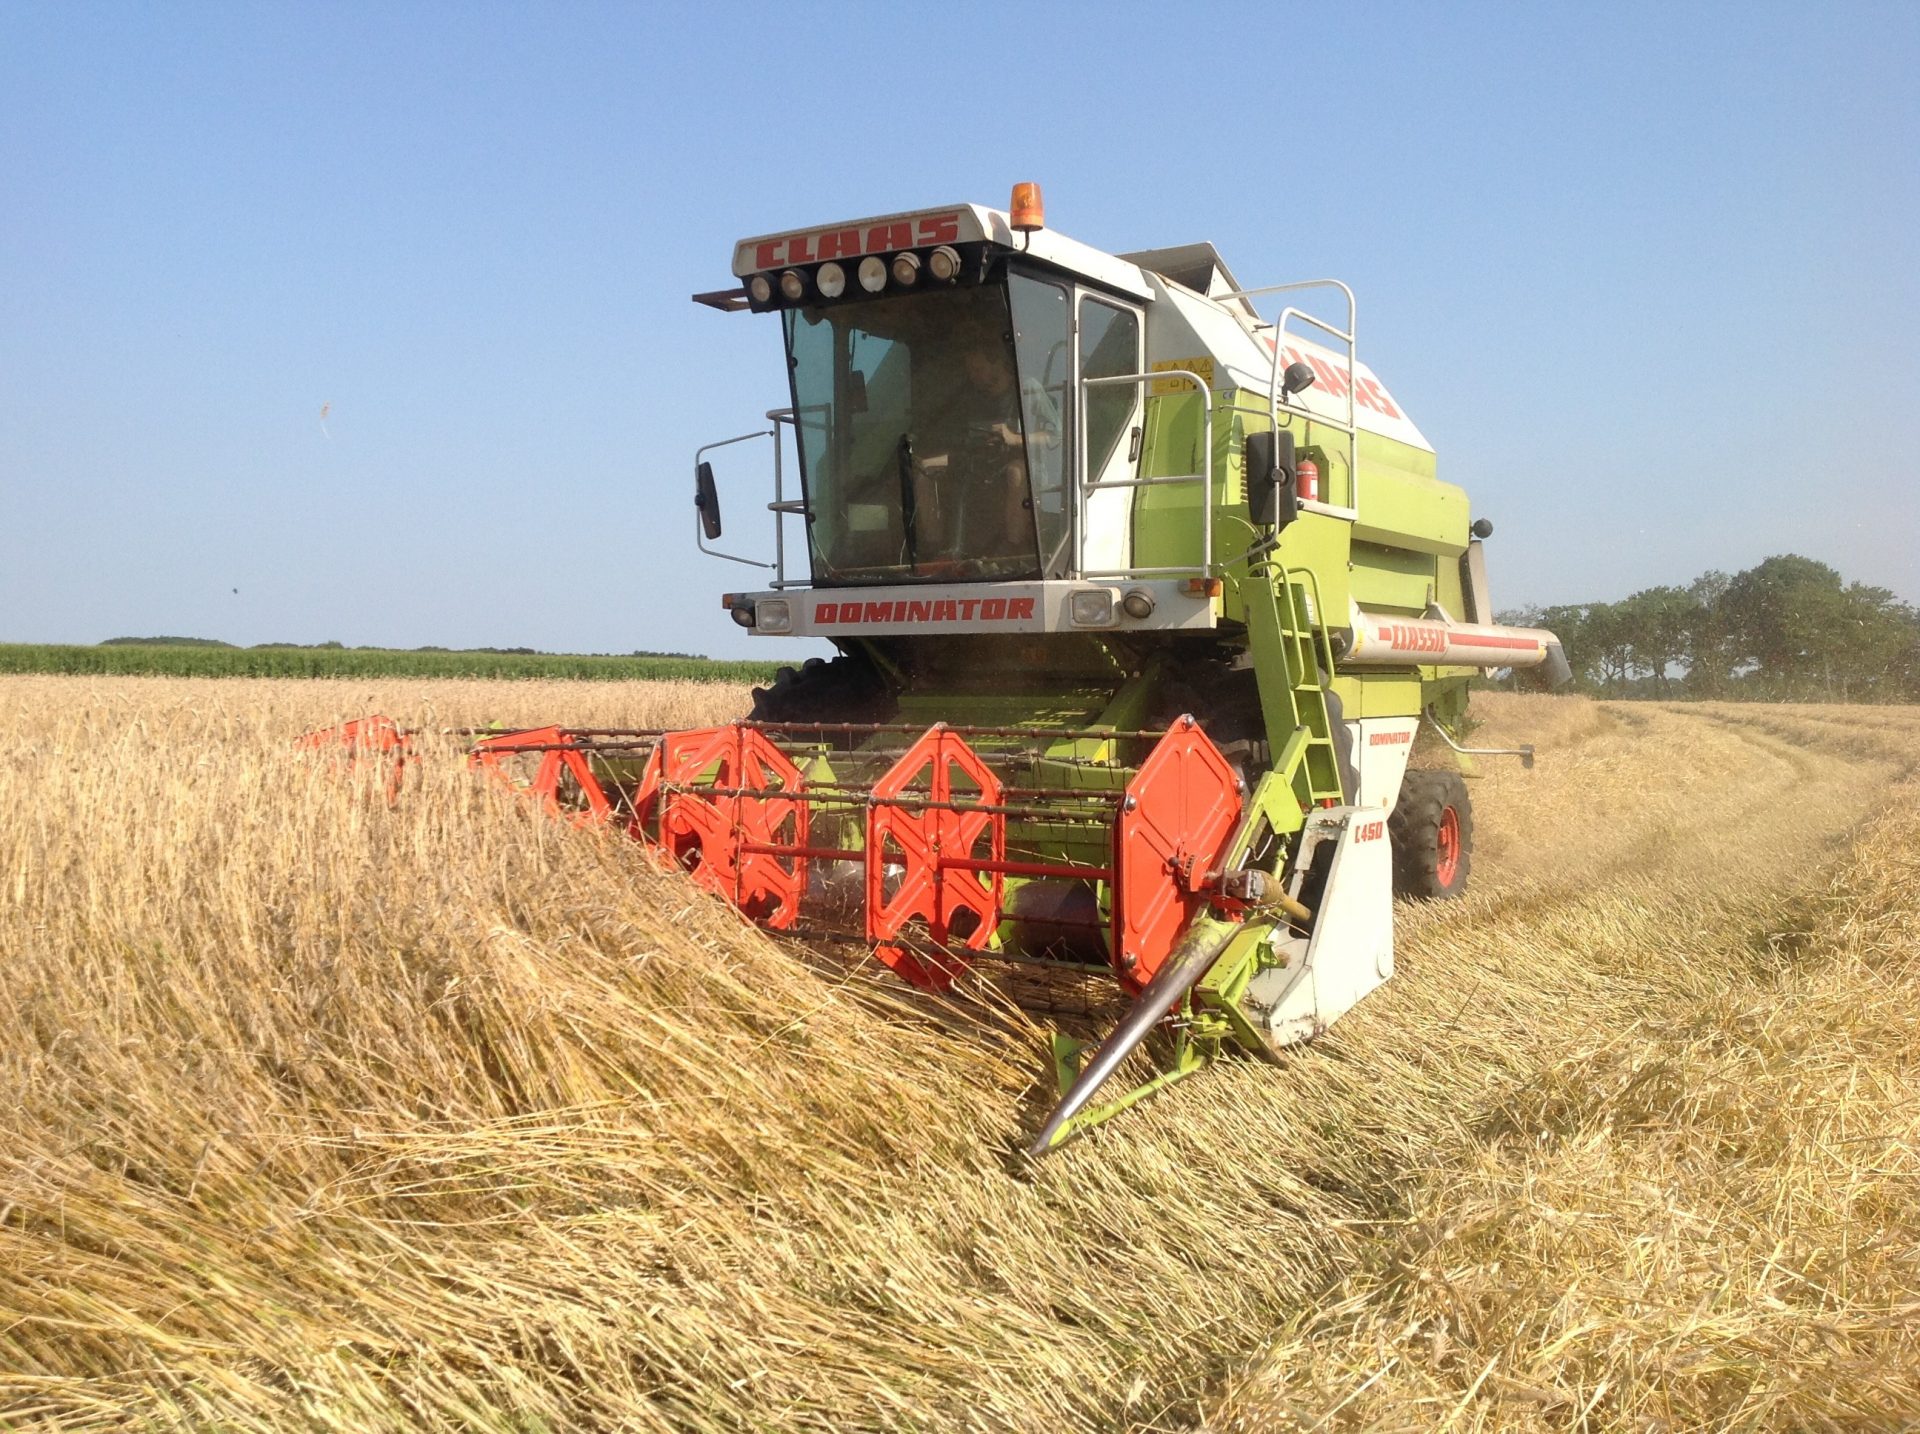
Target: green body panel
{"type": "Point", "coordinates": [1378, 694]}
{"type": "Point", "coordinates": [1446, 696]}
{"type": "Point", "coordinates": [1402, 503]}
{"type": "Point", "coordinates": [1069, 710]}
{"type": "Point", "coordinates": [1323, 546]}
{"type": "Point", "coordinates": [1405, 547]}
{"type": "Point", "coordinates": [1391, 578]}
{"type": "Point", "coordinates": [1166, 520]}
{"type": "Point", "coordinates": [1403, 553]}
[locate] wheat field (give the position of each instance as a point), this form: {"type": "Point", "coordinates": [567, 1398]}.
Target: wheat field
{"type": "Point", "coordinates": [321, 1115]}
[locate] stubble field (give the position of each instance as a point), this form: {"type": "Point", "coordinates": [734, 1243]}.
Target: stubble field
{"type": "Point", "coordinates": [324, 1116]}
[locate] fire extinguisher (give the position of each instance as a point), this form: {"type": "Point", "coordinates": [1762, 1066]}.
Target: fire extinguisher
{"type": "Point", "coordinates": [1307, 476]}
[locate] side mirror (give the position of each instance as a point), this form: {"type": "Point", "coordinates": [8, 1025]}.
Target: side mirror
{"type": "Point", "coordinates": [1273, 497]}
{"type": "Point", "coordinates": [1298, 378]}
{"type": "Point", "coordinates": [706, 500]}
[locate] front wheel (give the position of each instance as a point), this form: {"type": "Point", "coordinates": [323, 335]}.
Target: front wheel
{"type": "Point", "coordinates": [1432, 832]}
{"type": "Point", "coordinates": [847, 688]}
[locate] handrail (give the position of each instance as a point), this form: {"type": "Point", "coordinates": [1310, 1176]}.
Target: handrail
{"type": "Point", "coordinates": [1204, 477]}
{"type": "Point", "coordinates": [780, 507]}
{"type": "Point", "coordinates": [1317, 618]}
{"type": "Point", "coordinates": [1351, 512]}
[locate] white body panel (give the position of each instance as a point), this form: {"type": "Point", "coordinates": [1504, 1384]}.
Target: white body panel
{"type": "Point", "coordinates": [1351, 950]}
{"type": "Point", "coordinates": [1187, 327]}
{"type": "Point", "coordinates": [1107, 545]}
{"type": "Point", "coordinates": [975, 607]}
{"type": "Point", "coordinates": [1381, 746]}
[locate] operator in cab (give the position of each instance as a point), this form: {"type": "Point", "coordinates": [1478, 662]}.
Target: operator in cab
{"type": "Point", "coordinates": [973, 493]}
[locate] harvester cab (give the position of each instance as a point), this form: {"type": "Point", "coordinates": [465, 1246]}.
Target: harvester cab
{"type": "Point", "coordinates": [1138, 600]}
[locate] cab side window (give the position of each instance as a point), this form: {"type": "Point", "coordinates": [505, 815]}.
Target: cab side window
{"type": "Point", "coordinates": [1109, 346]}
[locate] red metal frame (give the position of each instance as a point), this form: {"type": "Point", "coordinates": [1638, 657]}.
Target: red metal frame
{"type": "Point", "coordinates": [940, 881]}
{"type": "Point", "coordinates": [377, 736]}
{"type": "Point", "coordinates": [1180, 812]}
{"type": "Point", "coordinates": [559, 753]}
{"type": "Point", "coordinates": [736, 843]}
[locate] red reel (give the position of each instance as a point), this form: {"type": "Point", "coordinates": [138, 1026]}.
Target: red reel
{"type": "Point", "coordinates": [558, 756]}
{"type": "Point", "coordinates": [716, 813]}
{"type": "Point", "coordinates": [913, 829]}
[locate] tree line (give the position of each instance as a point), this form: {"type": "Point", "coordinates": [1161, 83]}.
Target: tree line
{"type": "Point", "coordinates": [1787, 630]}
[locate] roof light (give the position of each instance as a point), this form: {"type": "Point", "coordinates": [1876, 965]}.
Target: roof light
{"type": "Point", "coordinates": [761, 288]}
{"type": "Point", "coordinates": [944, 263]}
{"type": "Point", "coordinates": [1028, 210]}
{"type": "Point", "coordinates": [831, 280]}
{"type": "Point", "coordinates": [906, 267]}
{"type": "Point", "coordinates": [873, 273]}
{"type": "Point", "coordinates": [792, 285]}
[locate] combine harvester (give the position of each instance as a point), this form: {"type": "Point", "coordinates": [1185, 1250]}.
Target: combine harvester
{"type": "Point", "coordinates": [1139, 601]}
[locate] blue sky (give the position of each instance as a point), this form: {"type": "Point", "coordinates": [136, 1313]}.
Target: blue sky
{"type": "Point", "coordinates": [1645, 275]}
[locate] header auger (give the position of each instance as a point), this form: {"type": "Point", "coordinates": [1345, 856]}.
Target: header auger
{"type": "Point", "coordinates": [1138, 600]}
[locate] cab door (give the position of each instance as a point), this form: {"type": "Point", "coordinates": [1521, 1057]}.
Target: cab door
{"type": "Point", "coordinates": [1107, 344]}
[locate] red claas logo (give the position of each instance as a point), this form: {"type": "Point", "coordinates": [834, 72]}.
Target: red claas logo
{"type": "Point", "coordinates": [851, 243]}
{"type": "Point", "coordinates": [1334, 381]}
{"type": "Point", "coordinates": [1403, 637]}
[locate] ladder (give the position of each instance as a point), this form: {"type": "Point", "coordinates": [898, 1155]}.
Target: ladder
{"type": "Point", "coordinates": [1291, 648]}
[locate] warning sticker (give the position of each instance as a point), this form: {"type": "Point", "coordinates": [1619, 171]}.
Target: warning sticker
{"type": "Point", "coordinates": [1201, 366]}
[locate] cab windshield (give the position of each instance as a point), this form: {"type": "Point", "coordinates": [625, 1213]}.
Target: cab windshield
{"type": "Point", "coordinates": [932, 440]}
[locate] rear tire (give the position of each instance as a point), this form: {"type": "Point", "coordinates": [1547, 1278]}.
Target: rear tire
{"type": "Point", "coordinates": [1432, 832]}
